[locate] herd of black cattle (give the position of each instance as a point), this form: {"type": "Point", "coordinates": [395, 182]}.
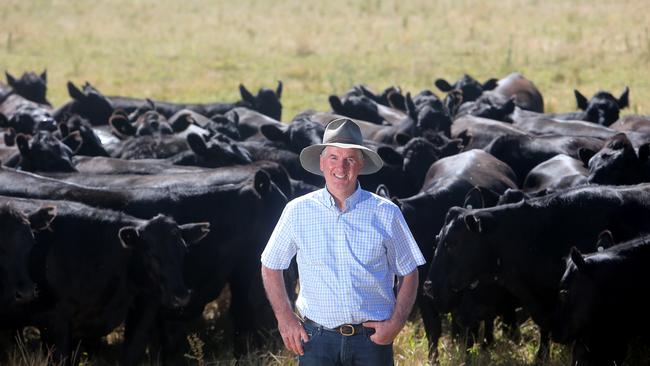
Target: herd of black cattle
{"type": "Point", "coordinates": [119, 210]}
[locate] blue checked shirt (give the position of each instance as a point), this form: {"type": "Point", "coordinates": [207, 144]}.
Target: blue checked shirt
{"type": "Point", "coordinates": [347, 261]}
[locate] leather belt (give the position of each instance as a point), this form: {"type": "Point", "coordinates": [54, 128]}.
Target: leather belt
{"type": "Point", "coordinates": [345, 329]}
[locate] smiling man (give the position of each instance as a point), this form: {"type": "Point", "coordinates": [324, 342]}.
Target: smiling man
{"type": "Point", "coordinates": [353, 248]}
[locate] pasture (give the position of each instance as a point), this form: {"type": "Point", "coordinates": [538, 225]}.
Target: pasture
{"type": "Point", "coordinates": [200, 51]}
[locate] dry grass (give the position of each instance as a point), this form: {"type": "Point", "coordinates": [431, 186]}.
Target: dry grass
{"type": "Point", "coordinates": [201, 50]}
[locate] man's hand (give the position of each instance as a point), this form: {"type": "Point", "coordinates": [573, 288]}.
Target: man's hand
{"type": "Point", "coordinates": [293, 333]}
{"type": "Point", "coordinates": [385, 331]}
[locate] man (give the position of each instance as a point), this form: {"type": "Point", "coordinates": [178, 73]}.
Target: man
{"type": "Point", "coordinates": [350, 246]}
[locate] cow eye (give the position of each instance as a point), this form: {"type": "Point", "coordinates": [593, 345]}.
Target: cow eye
{"type": "Point", "coordinates": [564, 295]}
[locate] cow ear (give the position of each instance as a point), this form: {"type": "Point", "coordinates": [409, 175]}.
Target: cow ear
{"type": "Point", "coordinates": [605, 240]}
{"type": "Point", "coordinates": [235, 117]}
{"type": "Point", "coordinates": [644, 152]}
{"type": "Point", "coordinates": [262, 182]}
{"type": "Point", "coordinates": [585, 155]}
{"type": "Point", "coordinates": [121, 126]}
{"type": "Point", "coordinates": [11, 80]}
{"type": "Point", "coordinates": [397, 100]}
{"type": "Point", "coordinates": [581, 100]}
{"type": "Point", "coordinates": [44, 76]}
{"type": "Point", "coordinates": [23, 144]}
{"type": "Point", "coordinates": [193, 233]}
{"type": "Point", "coordinates": [74, 92]}
{"type": "Point", "coordinates": [410, 108]}
{"type": "Point", "coordinates": [63, 129]}
{"type": "Point", "coordinates": [129, 236]}
{"type": "Point", "coordinates": [443, 85]}
{"type": "Point", "coordinates": [4, 122]}
{"type": "Point", "coordinates": [42, 218]}
{"type": "Point", "coordinates": [390, 156]}
{"type": "Point", "coordinates": [490, 84]}
{"type": "Point", "coordinates": [335, 103]}
{"type": "Point", "coordinates": [74, 141]}
{"type": "Point", "coordinates": [578, 259]}
{"type": "Point", "coordinates": [246, 95]}
{"type": "Point", "coordinates": [182, 123]}
{"type": "Point", "coordinates": [465, 137]}
{"type": "Point", "coordinates": [10, 137]}
{"type": "Point", "coordinates": [275, 132]}
{"type": "Point", "coordinates": [382, 191]}
{"type": "Point", "coordinates": [624, 99]}
{"type": "Point", "coordinates": [509, 106]}
{"type": "Point", "coordinates": [197, 144]}
{"type": "Point", "coordinates": [402, 138]}
{"type": "Point", "coordinates": [278, 90]}
{"type": "Point", "coordinates": [473, 224]}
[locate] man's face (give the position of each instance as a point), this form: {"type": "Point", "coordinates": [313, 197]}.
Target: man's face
{"type": "Point", "coordinates": [341, 168]}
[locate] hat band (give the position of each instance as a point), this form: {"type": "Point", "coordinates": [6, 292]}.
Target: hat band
{"type": "Point", "coordinates": [338, 140]}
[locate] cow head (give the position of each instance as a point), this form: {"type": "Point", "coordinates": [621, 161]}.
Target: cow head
{"type": "Point", "coordinates": [295, 136]}
{"type": "Point", "coordinates": [220, 151]}
{"type": "Point", "coordinates": [603, 108]}
{"type": "Point", "coordinates": [16, 242]}
{"type": "Point", "coordinates": [91, 145]}
{"type": "Point", "coordinates": [578, 292]}
{"type": "Point", "coordinates": [45, 153]}
{"type": "Point", "coordinates": [418, 155]}
{"type": "Point", "coordinates": [464, 257]}
{"type": "Point", "coordinates": [358, 107]}
{"type": "Point", "coordinates": [266, 101]}
{"type": "Point", "coordinates": [616, 163]}
{"type": "Point", "coordinates": [488, 108]}
{"type": "Point", "coordinates": [227, 125]}
{"type": "Point", "coordinates": [160, 246]}
{"type": "Point", "coordinates": [470, 87]}
{"type": "Point", "coordinates": [90, 104]}
{"type": "Point", "coordinates": [30, 86]}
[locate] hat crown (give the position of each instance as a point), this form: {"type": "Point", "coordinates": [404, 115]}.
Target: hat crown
{"type": "Point", "coordinates": [343, 131]}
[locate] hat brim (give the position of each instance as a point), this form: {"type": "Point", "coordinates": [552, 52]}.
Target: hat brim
{"type": "Point", "coordinates": [310, 158]}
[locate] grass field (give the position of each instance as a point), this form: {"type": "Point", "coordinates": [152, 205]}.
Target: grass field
{"type": "Point", "coordinates": [199, 51]}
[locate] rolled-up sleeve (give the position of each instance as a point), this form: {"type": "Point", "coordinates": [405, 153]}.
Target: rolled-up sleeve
{"type": "Point", "coordinates": [281, 246]}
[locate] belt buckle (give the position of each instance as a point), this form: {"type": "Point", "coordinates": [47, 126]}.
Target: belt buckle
{"type": "Point", "coordinates": [344, 327]}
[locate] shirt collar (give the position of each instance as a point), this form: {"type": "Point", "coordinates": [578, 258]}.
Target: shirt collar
{"type": "Point", "coordinates": [328, 200]}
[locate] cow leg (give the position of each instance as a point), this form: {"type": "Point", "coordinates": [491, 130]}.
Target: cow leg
{"type": "Point", "coordinates": [543, 352]}
{"type": "Point", "coordinates": [432, 325]}
{"type": "Point", "coordinates": [137, 330]}
{"type": "Point", "coordinates": [510, 325]}
{"type": "Point", "coordinates": [173, 340]}
{"type": "Point", "coordinates": [488, 331]}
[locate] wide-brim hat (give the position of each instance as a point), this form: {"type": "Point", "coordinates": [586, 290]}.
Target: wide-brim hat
{"type": "Point", "coordinates": [346, 134]}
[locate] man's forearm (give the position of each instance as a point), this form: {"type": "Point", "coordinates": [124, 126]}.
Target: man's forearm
{"type": "Point", "coordinates": [276, 292]}
{"type": "Point", "coordinates": [406, 294]}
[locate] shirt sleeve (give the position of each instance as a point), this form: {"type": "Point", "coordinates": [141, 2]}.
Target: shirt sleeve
{"type": "Point", "coordinates": [403, 252]}
{"type": "Point", "coordinates": [281, 247]}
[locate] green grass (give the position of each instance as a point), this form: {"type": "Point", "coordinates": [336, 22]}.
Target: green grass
{"type": "Point", "coordinates": [200, 51]}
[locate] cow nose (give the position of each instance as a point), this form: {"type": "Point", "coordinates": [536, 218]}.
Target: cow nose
{"type": "Point", "coordinates": [25, 295]}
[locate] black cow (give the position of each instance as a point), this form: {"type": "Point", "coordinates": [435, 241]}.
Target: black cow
{"type": "Point", "coordinates": [470, 87]}
{"type": "Point", "coordinates": [230, 253]}
{"type": "Point", "coordinates": [26, 116]}
{"type": "Point", "coordinates": [43, 152]}
{"type": "Point", "coordinates": [91, 145]}
{"type": "Point", "coordinates": [88, 102]}
{"type": "Point", "coordinates": [599, 302]}
{"type": "Point", "coordinates": [30, 86]}
{"type": "Point", "coordinates": [478, 132]}
{"type": "Point", "coordinates": [16, 242]}
{"type": "Point", "coordinates": [525, 93]}
{"type": "Point", "coordinates": [522, 245]}
{"type": "Point", "coordinates": [602, 109]}
{"type": "Point", "coordinates": [295, 136]}
{"type": "Point", "coordinates": [94, 265]}
{"type": "Point", "coordinates": [555, 174]}
{"type": "Point", "coordinates": [617, 163]}
{"type": "Point", "coordinates": [446, 185]}
{"type": "Point", "coordinates": [523, 152]}
{"type": "Point", "coordinates": [365, 108]}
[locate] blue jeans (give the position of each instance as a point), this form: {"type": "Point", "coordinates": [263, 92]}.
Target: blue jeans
{"type": "Point", "coordinates": [326, 347]}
